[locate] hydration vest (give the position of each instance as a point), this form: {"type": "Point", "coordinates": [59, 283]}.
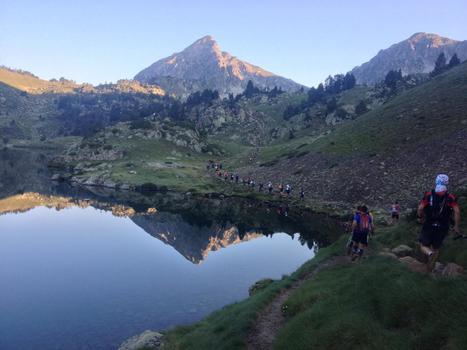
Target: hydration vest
{"type": "Point", "coordinates": [438, 212]}
{"type": "Point", "coordinates": [364, 223]}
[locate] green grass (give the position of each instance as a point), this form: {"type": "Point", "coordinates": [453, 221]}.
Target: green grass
{"type": "Point", "coordinates": [162, 163]}
{"type": "Point", "coordinates": [432, 110]}
{"type": "Point", "coordinates": [229, 327]}
{"type": "Point", "coordinates": [378, 304]}
{"type": "Point", "coordinates": [353, 96]}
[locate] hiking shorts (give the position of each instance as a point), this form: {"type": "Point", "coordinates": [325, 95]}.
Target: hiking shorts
{"type": "Point", "coordinates": [433, 236]}
{"type": "Point", "coordinates": [395, 215]}
{"type": "Point", "coordinates": [360, 237]}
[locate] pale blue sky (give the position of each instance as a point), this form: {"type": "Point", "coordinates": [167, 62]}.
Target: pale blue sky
{"type": "Point", "coordinates": [102, 40]}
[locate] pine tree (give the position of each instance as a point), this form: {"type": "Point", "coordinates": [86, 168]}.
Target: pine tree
{"type": "Point", "coordinates": [392, 78]}
{"type": "Point", "coordinates": [361, 108]}
{"type": "Point", "coordinates": [349, 81]}
{"type": "Point", "coordinates": [331, 105]}
{"type": "Point", "coordinates": [250, 89]}
{"type": "Point", "coordinates": [440, 65]}
{"type": "Point", "coordinates": [454, 61]}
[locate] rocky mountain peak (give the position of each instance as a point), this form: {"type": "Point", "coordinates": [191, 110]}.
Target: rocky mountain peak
{"type": "Point", "coordinates": [430, 40]}
{"type": "Point", "coordinates": [203, 65]}
{"type": "Point", "coordinates": [206, 41]}
{"type": "Point", "coordinates": [414, 55]}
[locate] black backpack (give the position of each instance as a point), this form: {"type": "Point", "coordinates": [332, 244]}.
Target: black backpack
{"type": "Point", "coordinates": [438, 211]}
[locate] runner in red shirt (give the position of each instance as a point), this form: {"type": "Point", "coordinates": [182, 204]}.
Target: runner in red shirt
{"type": "Point", "coordinates": [435, 211]}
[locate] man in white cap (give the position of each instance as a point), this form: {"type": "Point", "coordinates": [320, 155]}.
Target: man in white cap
{"type": "Point", "coordinates": [435, 211]}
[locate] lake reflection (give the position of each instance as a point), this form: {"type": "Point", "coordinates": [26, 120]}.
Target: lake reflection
{"type": "Point", "coordinates": [86, 268]}
{"type": "Point", "coordinates": [83, 278]}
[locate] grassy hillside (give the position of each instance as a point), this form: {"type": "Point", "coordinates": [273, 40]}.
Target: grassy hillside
{"type": "Point", "coordinates": [392, 152]}
{"type": "Point", "coordinates": [29, 83]}
{"type": "Point", "coordinates": [377, 304]}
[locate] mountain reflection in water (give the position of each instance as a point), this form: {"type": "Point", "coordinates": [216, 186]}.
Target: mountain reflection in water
{"type": "Point", "coordinates": [87, 263]}
{"type": "Point", "coordinates": [193, 236]}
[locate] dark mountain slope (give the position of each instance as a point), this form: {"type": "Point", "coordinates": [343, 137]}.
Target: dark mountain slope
{"type": "Point", "coordinates": [392, 152]}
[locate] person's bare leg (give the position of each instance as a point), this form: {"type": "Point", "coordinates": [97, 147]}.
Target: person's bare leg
{"type": "Point", "coordinates": [432, 260]}
{"type": "Point", "coordinates": [426, 250]}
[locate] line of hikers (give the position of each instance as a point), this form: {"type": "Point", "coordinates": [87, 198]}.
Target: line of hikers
{"type": "Point", "coordinates": [250, 182]}
{"type": "Point", "coordinates": [437, 210]}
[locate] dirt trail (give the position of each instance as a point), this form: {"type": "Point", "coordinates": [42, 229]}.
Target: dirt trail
{"type": "Point", "coordinates": [271, 319]}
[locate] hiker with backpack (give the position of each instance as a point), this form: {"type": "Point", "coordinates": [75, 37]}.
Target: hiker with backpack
{"type": "Point", "coordinates": [435, 211]}
{"type": "Point", "coordinates": [270, 187]}
{"type": "Point", "coordinates": [281, 188]}
{"type": "Point", "coordinates": [288, 189]}
{"type": "Point", "coordinates": [362, 226]}
{"type": "Point", "coordinates": [395, 212]}
{"type": "Point", "coordinates": [348, 230]}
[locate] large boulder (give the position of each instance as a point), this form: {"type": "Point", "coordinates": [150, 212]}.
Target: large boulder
{"type": "Point", "coordinates": [413, 264]}
{"type": "Point", "coordinates": [452, 270]}
{"type": "Point", "coordinates": [402, 250]}
{"type": "Point", "coordinates": [146, 340]}
{"type": "Point", "coordinates": [260, 285]}
{"type": "Point", "coordinates": [388, 255]}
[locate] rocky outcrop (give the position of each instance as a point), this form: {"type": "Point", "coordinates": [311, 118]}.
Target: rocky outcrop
{"type": "Point", "coordinates": [146, 340]}
{"type": "Point", "coordinates": [413, 264]}
{"type": "Point", "coordinates": [203, 65]}
{"type": "Point", "coordinates": [452, 270]}
{"type": "Point", "coordinates": [417, 54]}
{"type": "Point", "coordinates": [402, 250]}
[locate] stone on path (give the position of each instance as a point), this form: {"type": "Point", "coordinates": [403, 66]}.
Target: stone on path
{"type": "Point", "coordinates": [413, 264]}
{"type": "Point", "coordinates": [452, 270]}
{"type": "Point", "coordinates": [388, 255]}
{"type": "Point", "coordinates": [402, 250]}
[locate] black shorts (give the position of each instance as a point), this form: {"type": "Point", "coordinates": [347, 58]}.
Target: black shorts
{"type": "Point", "coordinates": [433, 236]}
{"type": "Point", "coordinates": [395, 216]}
{"type": "Point", "coordinates": [360, 237]}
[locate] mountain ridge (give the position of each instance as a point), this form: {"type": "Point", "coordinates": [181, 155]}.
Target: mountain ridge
{"type": "Point", "coordinates": [203, 65]}
{"type": "Point", "coordinates": [414, 55]}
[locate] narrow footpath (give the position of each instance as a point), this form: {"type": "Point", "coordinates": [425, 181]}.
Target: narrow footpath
{"type": "Point", "coordinates": [271, 319]}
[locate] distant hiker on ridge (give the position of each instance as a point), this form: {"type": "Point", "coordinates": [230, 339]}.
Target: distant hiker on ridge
{"type": "Point", "coordinates": [395, 212]}
{"type": "Point", "coordinates": [435, 212]}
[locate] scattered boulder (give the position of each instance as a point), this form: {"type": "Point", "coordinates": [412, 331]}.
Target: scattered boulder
{"type": "Point", "coordinates": [146, 340]}
{"type": "Point", "coordinates": [452, 270]}
{"type": "Point", "coordinates": [388, 255]}
{"type": "Point", "coordinates": [413, 264]}
{"type": "Point", "coordinates": [259, 285]}
{"type": "Point", "coordinates": [439, 267]}
{"type": "Point", "coordinates": [109, 184]}
{"type": "Point", "coordinates": [402, 250]}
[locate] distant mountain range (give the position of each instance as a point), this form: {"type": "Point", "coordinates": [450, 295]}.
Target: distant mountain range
{"type": "Point", "coordinates": [203, 65]}
{"type": "Point", "coordinates": [28, 82]}
{"type": "Point", "coordinates": [417, 54]}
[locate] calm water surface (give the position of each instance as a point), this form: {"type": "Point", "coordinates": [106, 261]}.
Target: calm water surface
{"type": "Point", "coordinates": [85, 279]}
{"type": "Point", "coordinates": [88, 268]}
